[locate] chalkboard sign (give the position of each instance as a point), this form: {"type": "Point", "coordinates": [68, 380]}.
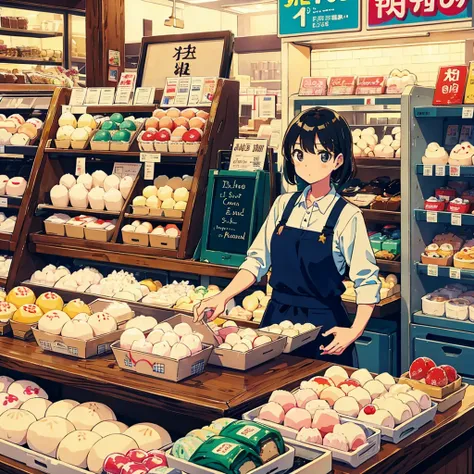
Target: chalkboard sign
{"type": "Point", "coordinates": [233, 213]}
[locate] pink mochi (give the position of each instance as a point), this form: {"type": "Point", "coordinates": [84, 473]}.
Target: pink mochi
{"type": "Point", "coordinates": [336, 441]}
{"type": "Point", "coordinates": [325, 421]}
{"type": "Point", "coordinates": [310, 435]}
{"type": "Point", "coordinates": [224, 332]}
{"type": "Point", "coordinates": [331, 394]}
{"type": "Point", "coordinates": [285, 399]}
{"type": "Point", "coordinates": [298, 418]}
{"type": "Point", "coordinates": [303, 397]}
{"type": "Point", "coordinates": [272, 412]}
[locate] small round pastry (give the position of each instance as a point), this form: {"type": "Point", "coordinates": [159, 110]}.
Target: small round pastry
{"type": "Point", "coordinates": [61, 409]}
{"type": "Point", "coordinates": [75, 447]}
{"type": "Point", "coordinates": [399, 410]}
{"type": "Point", "coordinates": [362, 396]}
{"type": "Point", "coordinates": [362, 376]}
{"type": "Point", "coordinates": [187, 182]}
{"type": "Point", "coordinates": [149, 436]}
{"type": "Point", "coordinates": [173, 112]}
{"type": "Point", "coordinates": [348, 385]}
{"type": "Point", "coordinates": [28, 314]}
{"type": "Point", "coordinates": [45, 435]}
{"type": "Point", "coordinates": [77, 329]}
{"type": "Point", "coordinates": [75, 307]}
{"type": "Point", "coordinates": [165, 192]}
{"type": "Point", "coordinates": [180, 206]}
{"type": "Point", "coordinates": [64, 133]}
{"type": "Point", "coordinates": [164, 326]}
{"type": "Point", "coordinates": [310, 435]}
{"type": "Point", "coordinates": [331, 394]}
{"type": "Point", "coordinates": [117, 118]}
{"type": "Point", "coordinates": [162, 349]}
{"type": "Point", "coordinates": [422, 398]}
{"type": "Point", "coordinates": [81, 317]}
{"type": "Point", "coordinates": [193, 342]}
{"type": "Point", "coordinates": [85, 180]}
{"type": "Point", "coordinates": [68, 180]}
{"type": "Point", "coordinates": [325, 421]}
{"type": "Point", "coordinates": [375, 388]}
{"type": "Point", "coordinates": [284, 398]}
{"type": "Point", "coordinates": [197, 122]}
{"type": "Point", "coordinates": [14, 424]}
{"type": "Point", "coordinates": [314, 405]}
{"type": "Point", "coordinates": [80, 134]}
{"type": "Point", "coordinates": [376, 415]}
{"type": "Point", "coordinates": [113, 200]}
{"type": "Point", "coordinates": [181, 194]}
{"type": "Point", "coordinates": [153, 202]}
{"type": "Point", "coordinates": [202, 114]}
{"type": "Point", "coordinates": [3, 183]}
{"type": "Point", "coordinates": [50, 301]}
{"type": "Point", "coordinates": [354, 434]}
{"type": "Point", "coordinates": [114, 443]}
{"type": "Point", "coordinates": [105, 428]}
{"type": "Point", "coordinates": [385, 377]}
{"type": "Point", "coordinates": [180, 351]}
{"type": "Point", "coordinates": [96, 199]}
{"type": "Point", "coordinates": [129, 336]}
{"type": "Point", "coordinates": [125, 186]}
{"type": "Point", "coordinates": [111, 181]}
{"type": "Point", "coordinates": [183, 329]}
{"type": "Point", "coordinates": [86, 120]}
{"type": "Point", "coordinates": [7, 310]}
{"type": "Point", "coordinates": [188, 113]}
{"type": "Point", "coordinates": [98, 178]}
{"type": "Point", "coordinates": [26, 389]}
{"type": "Point", "coordinates": [272, 412]}
{"type": "Point", "coordinates": [169, 203]}
{"type": "Point", "coordinates": [78, 196]}
{"type": "Point", "coordinates": [304, 396]}
{"type": "Point", "coordinates": [347, 406]}
{"type": "Point", "coordinates": [53, 322]}
{"type": "Point", "coordinates": [142, 346]}
{"type": "Point", "coordinates": [410, 402]}
{"type": "Point", "coordinates": [143, 323]}
{"type": "Point", "coordinates": [67, 118]}
{"type": "Point", "coordinates": [21, 295]}
{"type": "Point", "coordinates": [16, 186]}
{"type": "Point", "coordinates": [87, 415]}
{"type": "Point", "coordinates": [102, 323]}
{"type": "Point", "coordinates": [5, 382]}
{"type": "Point", "coordinates": [175, 183]}
{"type": "Point", "coordinates": [9, 401]}
{"type": "Point", "coordinates": [59, 195]}
{"type": "Point", "coordinates": [399, 388]}
{"type": "Point", "coordinates": [139, 201]}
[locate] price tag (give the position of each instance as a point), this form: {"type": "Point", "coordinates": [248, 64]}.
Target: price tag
{"type": "Point", "coordinates": [144, 96]}
{"type": "Point", "coordinates": [66, 109]}
{"type": "Point", "coordinates": [455, 171]}
{"type": "Point", "coordinates": [456, 219]}
{"type": "Point", "coordinates": [2, 149]}
{"type": "Point", "coordinates": [3, 202]}
{"type": "Point", "coordinates": [107, 95]}
{"type": "Point", "coordinates": [149, 170]}
{"type": "Point", "coordinates": [80, 166]}
{"type": "Point", "coordinates": [467, 112]}
{"type": "Point", "coordinates": [79, 110]}
{"type": "Point", "coordinates": [455, 273]}
{"type": "Point", "coordinates": [433, 270]}
{"type": "Point", "coordinates": [92, 96]}
{"type": "Point", "coordinates": [432, 216]}
{"type": "Point", "coordinates": [150, 157]}
{"type": "Point", "coordinates": [428, 170]}
{"type": "Point", "coordinates": [440, 170]}
{"type": "Point", "coordinates": [78, 95]}
{"type": "Point", "coordinates": [123, 95]}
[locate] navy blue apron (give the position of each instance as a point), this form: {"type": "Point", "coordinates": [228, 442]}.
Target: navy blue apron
{"type": "Point", "coordinates": [307, 285]}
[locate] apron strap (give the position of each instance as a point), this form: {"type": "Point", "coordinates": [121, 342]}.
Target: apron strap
{"type": "Point", "coordinates": [288, 209]}
{"type": "Point", "coordinates": [334, 216]}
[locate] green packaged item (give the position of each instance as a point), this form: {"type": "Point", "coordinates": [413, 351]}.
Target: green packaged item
{"type": "Point", "coordinates": [203, 435]}
{"type": "Point", "coordinates": [376, 241]}
{"type": "Point", "coordinates": [266, 441]}
{"type": "Point", "coordinates": [185, 447]}
{"type": "Point", "coordinates": [392, 246]}
{"type": "Point", "coordinates": [221, 423]}
{"type": "Point", "coordinates": [226, 455]}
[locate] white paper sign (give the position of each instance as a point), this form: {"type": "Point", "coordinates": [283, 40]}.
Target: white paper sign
{"type": "Point", "coordinates": [456, 219]}
{"type": "Point", "coordinates": [433, 270]}
{"type": "Point", "coordinates": [440, 170]}
{"type": "Point", "coordinates": [149, 170]}
{"type": "Point", "coordinates": [248, 154]}
{"type": "Point", "coordinates": [150, 157]}
{"type": "Point", "coordinates": [467, 112]}
{"type": "Point", "coordinates": [126, 169]}
{"type": "Point", "coordinates": [3, 202]}
{"type": "Point", "coordinates": [452, 135]}
{"type": "Point", "coordinates": [428, 170]}
{"type": "Point", "coordinates": [144, 96]}
{"type": "Point", "coordinates": [182, 92]}
{"type": "Point", "coordinates": [455, 273]}
{"type": "Point", "coordinates": [107, 95]}
{"type": "Point", "coordinates": [431, 216]}
{"type": "Point", "coordinates": [92, 96]}
{"type": "Point", "coordinates": [78, 95]}
{"type": "Point", "coordinates": [455, 171]}
{"type": "Point", "coordinates": [169, 93]}
{"type": "Point", "coordinates": [123, 95]}
{"type": "Point", "coordinates": [195, 95]}
{"type": "Point", "coordinates": [80, 166]}
{"type": "Point", "coordinates": [466, 133]}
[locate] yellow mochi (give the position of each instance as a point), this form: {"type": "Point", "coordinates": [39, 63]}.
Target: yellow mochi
{"type": "Point", "coordinates": [75, 307]}
{"type": "Point", "coordinates": [21, 295]}
{"type": "Point", "coordinates": [50, 302]}
{"type": "Point", "coordinates": [28, 314]}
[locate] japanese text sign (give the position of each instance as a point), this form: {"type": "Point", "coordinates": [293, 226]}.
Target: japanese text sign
{"type": "Point", "coordinates": [303, 17]}
{"type": "Point", "coordinates": [386, 13]}
{"type": "Point", "coordinates": [342, 85]}
{"type": "Point", "coordinates": [370, 85]}
{"type": "Point", "coordinates": [314, 86]}
{"type": "Point", "coordinates": [450, 85]}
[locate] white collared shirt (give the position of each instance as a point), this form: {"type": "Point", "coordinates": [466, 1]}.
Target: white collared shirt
{"type": "Point", "coordinates": [351, 244]}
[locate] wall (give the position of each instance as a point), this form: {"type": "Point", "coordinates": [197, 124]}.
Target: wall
{"type": "Point", "coordinates": [423, 60]}
{"type": "Point", "coordinates": [196, 20]}
{"type": "Point", "coordinates": [260, 24]}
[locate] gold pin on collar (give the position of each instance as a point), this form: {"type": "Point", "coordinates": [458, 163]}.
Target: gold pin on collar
{"type": "Point", "coordinates": [322, 239]}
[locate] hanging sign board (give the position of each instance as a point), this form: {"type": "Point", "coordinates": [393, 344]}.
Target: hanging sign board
{"type": "Point", "coordinates": [314, 86]}
{"type": "Point", "coordinates": [392, 13]}
{"type": "Point", "coordinates": [248, 154]}
{"type": "Point", "coordinates": [450, 85]}
{"type": "Point", "coordinates": [303, 17]}
{"type": "Point", "coordinates": [192, 55]}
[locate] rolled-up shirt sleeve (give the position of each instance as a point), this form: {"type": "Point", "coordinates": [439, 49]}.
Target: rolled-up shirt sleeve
{"type": "Point", "coordinates": [258, 260]}
{"type": "Point", "coordinates": [355, 246]}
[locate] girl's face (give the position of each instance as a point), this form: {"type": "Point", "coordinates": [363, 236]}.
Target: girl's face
{"type": "Point", "coordinates": [316, 167]}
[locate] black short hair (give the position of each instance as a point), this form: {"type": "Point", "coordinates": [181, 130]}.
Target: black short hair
{"type": "Point", "coordinates": [334, 135]}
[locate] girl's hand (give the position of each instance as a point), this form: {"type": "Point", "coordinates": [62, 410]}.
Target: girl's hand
{"type": "Point", "coordinates": [217, 303]}
{"type": "Point", "coordinates": [343, 338]}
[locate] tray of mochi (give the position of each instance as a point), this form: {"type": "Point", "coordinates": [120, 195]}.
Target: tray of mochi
{"type": "Point", "coordinates": [303, 417]}
{"type": "Point", "coordinates": [70, 437]}
{"type": "Point", "coordinates": [396, 409]}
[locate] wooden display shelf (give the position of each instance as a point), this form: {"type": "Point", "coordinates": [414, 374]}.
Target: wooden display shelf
{"type": "Point", "coordinates": [76, 210]}
{"type": "Point", "coordinates": [29, 33]}
{"type": "Point", "coordinates": [6, 242]}
{"type": "Point", "coordinates": [29, 61]}
{"type": "Point", "coordinates": [148, 217]}
{"type": "Point", "coordinates": [10, 466]}
{"type": "Point", "coordinates": [28, 88]}
{"type": "Point", "coordinates": [391, 266]}
{"type": "Point", "coordinates": [215, 393]}
{"type": "Point", "coordinates": [386, 307]}
{"type": "Point", "coordinates": [3, 282]}
{"type": "Point", "coordinates": [383, 216]}
{"type": "Point", "coordinates": [364, 162]}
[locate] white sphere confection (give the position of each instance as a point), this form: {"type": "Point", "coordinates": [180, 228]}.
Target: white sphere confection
{"type": "Point", "coordinates": [272, 412]}
{"type": "Point", "coordinates": [78, 196]}
{"type": "Point", "coordinates": [26, 389]}
{"type": "Point", "coordinates": [59, 195]}
{"type": "Point", "coordinates": [225, 345]}
{"type": "Point", "coordinates": [105, 428]}
{"type": "Point", "coordinates": [423, 399]}
{"type": "Point", "coordinates": [378, 416]}
{"type": "Point", "coordinates": [67, 180]}
{"type": "Point", "coordinates": [144, 323]}
{"type": "Point", "coordinates": [168, 203]}
{"type": "Point", "coordinates": [98, 178]}
{"type": "Point", "coordinates": [161, 180]}
{"type": "Point", "coordinates": [241, 347]}
{"type": "Point", "coordinates": [193, 342]}
{"type": "Point", "coordinates": [378, 150]}
{"type": "Point", "coordinates": [87, 415]}
{"type": "Point", "coordinates": [86, 120]}
{"type": "Point", "coordinates": [375, 388]}
{"type": "Point", "coordinates": [387, 140]}
{"type": "Point", "coordinates": [171, 338]}
{"type": "Point", "coordinates": [114, 443]}
{"type": "Point", "coordinates": [45, 435]}
{"type": "Point", "coordinates": [362, 396]}
{"type": "Point", "coordinates": [3, 183]}
{"type": "Point", "coordinates": [64, 133]}
{"type": "Point", "coordinates": [304, 396]}
{"type": "Point", "coordinates": [386, 379]}
{"type": "Point", "coordinates": [336, 374]}
{"type": "Point", "coordinates": [325, 420]}
{"type": "Point", "coordinates": [179, 351]}
{"type": "Point", "coordinates": [165, 192]}
{"type": "Point", "coordinates": [78, 329]}
{"type": "Point", "coordinates": [331, 395]}
{"type": "Point", "coordinates": [80, 134]}
{"type": "Point", "coordinates": [261, 340]}
{"type": "Point", "coordinates": [368, 131]}
{"type": "Point", "coordinates": [354, 434]}
{"type": "Point", "coordinates": [183, 329]}
{"type": "Point", "coordinates": [5, 382]}
{"type": "Point", "coordinates": [410, 401]}
{"type": "Point", "coordinates": [362, 376]}
{"type": "Point", "coordinates": [308, 327]}
{"type": "Point", "coordinates": [347, 406]}
{"type": "Point", "coordinates": [53, 321]}
{"type": "Point", "coordinates": [396, 145]}
{"type": "Point", "coordinates": [362, 144]}
{"type": "Point", "coordinates": [67, 118]}
{"type": "Point", "coordinates": [246, 342]}
{"type": "Point", "coordinates": [96, 199]}
{"type": "Point", "coordinates": [399, 410]}
{"type": "Point", "coordinates": [356, 151]}
{"type": "Point", "coordinates": [180, 206]}
{"type": "Point", "coordinates": [165, 327]}
{"type": "Point", "coordinates": [16, 186]}
{"type": "Point", "coordinates": [113, 200]}
{"type": "Point", "coordinates": [142, 229]}
{"type": "Point", "coordinates": [233, 339]}
{"type": "Point", "coordinates": [102, 323]}
{"type": "Point", "coordinates": [162, 349]}
{"type": "Point", "coordinates": [336, 441]}
{"type": "Point", "coordinates": [286, 325]}
{"type": "Point", "coordinates": [14, 425]}
{"type": "Point", "coordinates": [85, 180]}
{"type": "Point", "coordinates": [62, 408]}
{"type": "Point", "coordinates": [142, 346]}
{"type": "Point", "coordinates": [125, 186]}
{"type": "Point", "coordinates": [75, 447]}
{"type": "Point", "coordinates": [181, 194]}
{"type": "Point", "coordinates": [149, 191]}
{"type": "Point", "coordinates": [111, 182]}
{"type": "Point", "coordinates": [129, 336]}
{"type": "Point", "coordinates": [290, 332]}
{"type": "Point", "coordinates": [314, 405]}
{"type": "Point", "coordinates": [149, 436]}
{"type": "Point", "coordinates": [8, 401]}
{"type": "Point", "coordinates": [399, 388]}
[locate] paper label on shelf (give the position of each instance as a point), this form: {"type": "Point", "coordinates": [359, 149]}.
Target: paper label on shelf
{"type": "Point", "coordinates": [452, 135]}
{"type": "Point", "coordinates": [248, 154]}
{"type": "Point", "coordinates": [169, 93]}
{"type": "Point", "coordinates": [144, 96]}
{"type": "Point", "coordinates": [3, 202]}
{"type": "Point", "coordinates": [107, 95]}
{"type": "Point", "coordinates": [149, 170]}
{"type": "Point", "coordinates": [456, 218]}
{"type": "Point", "coordinates": [123, 95]}
{"type": "Point", "coordinates": [428, 170]}
{"type": "Point", "coordinates": [79, 110]}
{"type": "Point", "coordinates": [126, 169]}
{"type": "Point", "coordinates": [182, 92]}
{"type": "Point", "coordinates": [78, 95]}
{"type": "Point", "coordinates": [92, 96]}
{"type": "Point", "coordinates": [80, 165]}
{"type": "Point", "coordinates": [440, 170]}
{"type": "Point", "coordinates": [208, 90]}
{"type": "Point", "coordinates": [455, 171]}
{"type": "Point", "coordinates": [431, 216]}
{"type": "Point", "coordinates": [455, 273]}
{"type": "Point", "coordinates": [313, 86]}
{"type": "Point", "coordinates": [2, 149]}
{"type": "Point", "coordinates": [150, 157]}
{"type": "Point", "coordinates": [466, 133]}
{"type": "Point", "coordinates": [433, 270]}
{"type": "Point", "coordinates": [65, 109]}
{"type": "Point", "coordinates": [195, 94]}
{"type": "Point", "coordinates": [467, 112]}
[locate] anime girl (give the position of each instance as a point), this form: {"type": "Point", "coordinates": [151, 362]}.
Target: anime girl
{"type": "Point", "coordinates": [309, 239]}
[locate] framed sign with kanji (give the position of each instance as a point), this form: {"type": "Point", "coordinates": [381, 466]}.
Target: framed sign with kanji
{"type": "Point", "coordinates": [187, 55]}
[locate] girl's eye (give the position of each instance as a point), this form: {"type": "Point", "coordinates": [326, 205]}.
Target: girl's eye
{"type": "Point", "coordinates": [298, 155]}
{"type": "Point", "coordinates": [325, 156]}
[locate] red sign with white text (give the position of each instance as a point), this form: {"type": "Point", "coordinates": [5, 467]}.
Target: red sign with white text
{"type": "Point", "coordinates": [450, 85]}
{"type": "Point", "coordinates": [370, 85]}
{"type": "Point", "coordinates": [314, 86]}
{"type": "Point", "coordinates": [342, 85]}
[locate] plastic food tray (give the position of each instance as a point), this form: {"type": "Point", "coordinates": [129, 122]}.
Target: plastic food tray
{"type": "Point", "coordinates": [293, 343]}
{"type": "Point", "coordinates": [282, 463]}
{"type": "Point", "coordinates": [448, 402]}
{"type": "Point", "coordinates": [320, 459]}
{"type": "Point", "coordinates": [433, 392]}
{"type": "Point", "coordinates": [353, 459]}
